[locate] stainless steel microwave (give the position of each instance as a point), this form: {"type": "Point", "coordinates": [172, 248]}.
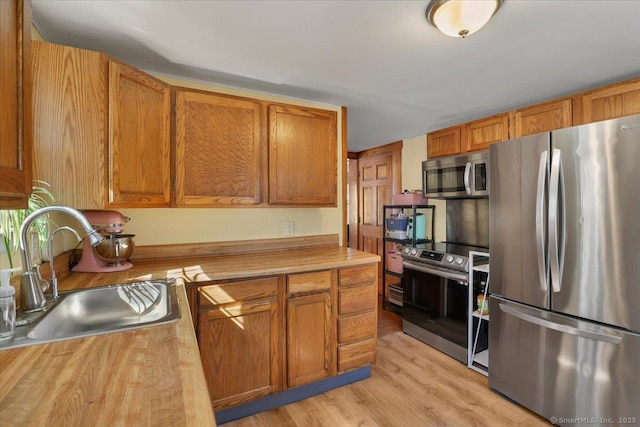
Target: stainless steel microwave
{"type": "Point", "coordinates": [461, 176]}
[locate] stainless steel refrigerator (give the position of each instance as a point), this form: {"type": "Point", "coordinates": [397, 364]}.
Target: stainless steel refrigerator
{"type": "Point", "coordinates": [564, 238]}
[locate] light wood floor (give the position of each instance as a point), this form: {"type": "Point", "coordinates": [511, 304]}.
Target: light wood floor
{"type": "Point", "coordinates": [411, 385]}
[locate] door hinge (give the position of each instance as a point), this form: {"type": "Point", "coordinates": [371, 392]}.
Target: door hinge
{"type": "Point", "coordinates": [173, 108]}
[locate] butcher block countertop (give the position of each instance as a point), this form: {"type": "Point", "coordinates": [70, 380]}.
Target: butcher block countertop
{"type": "Point", "coordinates": [145, 377]}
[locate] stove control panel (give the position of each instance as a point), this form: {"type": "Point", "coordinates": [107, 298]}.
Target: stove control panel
{"type": "Point", "coordinates": [435, 258]}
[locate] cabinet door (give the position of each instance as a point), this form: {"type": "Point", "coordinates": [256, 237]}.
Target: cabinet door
{"type": "Point", "coordinates": [303, 150]}
{"type": "Point", "coordinates": [618, 100]}
{"type": "Point", "coordinates": [542, 118]}
{"type": "Point", "coordinates": [444, 142]}
{"type": "Point", "coordinates": [15, 103]}
{"type": "Point", "coordinates": [310, 343]}
{"type": "Point", "coordinates": [139, 139]}
{"type": "Point", "coordinates": [480, 133]}
{"type": "Point", "coordinates": [218, 149]}
{"type": "Point", "coordinates": [70, 116]}
{"type": "Point", "coordinates": [239, 347]}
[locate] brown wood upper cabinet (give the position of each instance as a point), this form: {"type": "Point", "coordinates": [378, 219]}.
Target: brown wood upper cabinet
{"type": "Point", "coordinates": [103, 140]}
{"type": "Point", "coordinates": [616, 100]}
{"type": "Point", "coordinates": [480, 133]}
{"type": "Point", "coordinates": [15, 103]}
{"type": "Point", "coordinates": [444, 142]}
{"type": "Point", "coordinates": [621, 99]}
{"type": "Point", "coordinates": [542, 117]}
{"type": "Point", "coordinates": [102, 136]}
{"type": "Point", "coordinates": [139, 150]}
{"type": "Point", "coordinates": [70, 122]}
{"type": "Point", "coordinates": [218, 149]}
{"type": "Point", "coordinates": [303, 152]}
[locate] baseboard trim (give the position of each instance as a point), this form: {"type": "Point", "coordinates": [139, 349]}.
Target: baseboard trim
{"type": "Point", "coordinates": [292, 395]}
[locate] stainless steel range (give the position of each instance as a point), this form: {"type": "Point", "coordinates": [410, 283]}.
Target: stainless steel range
{"type": "Point", "coordinates": [449, 256]}
{"type": "Point", "coordinates": [435, 296]}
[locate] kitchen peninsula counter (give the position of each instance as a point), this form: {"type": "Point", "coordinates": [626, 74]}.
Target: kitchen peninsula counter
{"type": "Point", "coordinates": [145, 377]}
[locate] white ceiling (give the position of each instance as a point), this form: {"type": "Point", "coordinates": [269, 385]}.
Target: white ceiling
{"type": "Point", "coordinates": [397, 75]}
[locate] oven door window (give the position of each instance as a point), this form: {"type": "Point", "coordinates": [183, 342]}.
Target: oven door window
{"type": "Point", "coordinates": [436, 304]}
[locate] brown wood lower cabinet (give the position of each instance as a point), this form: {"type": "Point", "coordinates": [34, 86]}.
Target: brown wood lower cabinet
{"type": "Point", "coordinates": [310, 327]}
{"type": "Point", "coordinates": [239, 332]}
{"type": "Point", "coordinates": [357, 354]}
{"type": "Point", "coordinates": [240, 345]}
{"type": "Point", "coordinates": [309, 339]}
{"type": "Point", "coordinates": [357, 317]}
{"type": "Point", "coordinates": [260, 336]}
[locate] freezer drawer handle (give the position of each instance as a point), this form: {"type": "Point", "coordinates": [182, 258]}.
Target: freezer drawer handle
{"type": "Point", "coordinates": [596, 336]}
{"type": "Point", "coordinates": [540, 221]}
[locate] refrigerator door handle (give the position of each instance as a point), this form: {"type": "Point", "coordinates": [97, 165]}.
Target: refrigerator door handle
{"type": "Point", "coordinates": [540, 221]}
{"type": "Point", "coordinates": [596, 336]}
{"type": "Point", "coordinates": [467, 176]}
{"type": "Point", "coordinates": [556, 221]}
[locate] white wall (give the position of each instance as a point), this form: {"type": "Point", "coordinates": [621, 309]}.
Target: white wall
{"type": "Point", "coordinates": [414, 151]}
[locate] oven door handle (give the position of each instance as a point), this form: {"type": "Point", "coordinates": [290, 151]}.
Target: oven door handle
{"type": "Point", "coordinates": [436, 271]}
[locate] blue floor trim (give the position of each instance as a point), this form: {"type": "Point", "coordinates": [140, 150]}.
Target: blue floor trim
{"type": "Point", "coordinates": [291, 395]}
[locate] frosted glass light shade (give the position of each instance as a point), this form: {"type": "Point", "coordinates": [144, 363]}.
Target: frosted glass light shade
{"type": "Point", "coordinates": [459, 18]}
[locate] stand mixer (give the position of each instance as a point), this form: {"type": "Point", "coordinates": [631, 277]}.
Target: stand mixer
{"type": "Point", "coordinates": [108, 257]}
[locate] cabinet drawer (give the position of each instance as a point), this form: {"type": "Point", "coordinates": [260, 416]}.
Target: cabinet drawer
{"type": "Point", "coordinates": [358, 275]}
{"type": "Point", "coordinates": [357, 327]}
{"type": "Point", "coordinates": [356, 355]}
{"type": "Point", "coordinates": [245, 290]}
{"type": "Point", "coordinates": [357, 299]}
{"type": "Point", "coordinates": [309, 282]}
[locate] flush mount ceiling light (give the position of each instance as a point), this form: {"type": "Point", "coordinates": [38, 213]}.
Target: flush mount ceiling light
{"type": "Point", "coordinates": [459, 18]}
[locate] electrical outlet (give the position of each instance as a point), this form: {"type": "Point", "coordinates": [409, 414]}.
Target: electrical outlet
{"type": "Point", "coordinates": [288, 228]}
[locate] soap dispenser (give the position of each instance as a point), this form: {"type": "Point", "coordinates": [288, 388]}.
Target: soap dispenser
{"type": "Point", "coordinates": [7, 306]}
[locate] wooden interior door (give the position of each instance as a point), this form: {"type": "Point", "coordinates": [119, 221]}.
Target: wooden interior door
{"type": "Point", "coordinates": [376, 190]}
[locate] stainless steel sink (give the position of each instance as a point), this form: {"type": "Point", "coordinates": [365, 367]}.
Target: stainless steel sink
{"type": "Point", "coordinates": [102, 310]}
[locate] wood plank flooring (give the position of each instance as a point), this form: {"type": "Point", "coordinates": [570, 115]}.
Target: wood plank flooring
{"type": "Point", "coordinates": [411, 385]}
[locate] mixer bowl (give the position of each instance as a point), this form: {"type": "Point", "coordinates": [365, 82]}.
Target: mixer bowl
{"type": "Point", "coordinates": [116, 248]}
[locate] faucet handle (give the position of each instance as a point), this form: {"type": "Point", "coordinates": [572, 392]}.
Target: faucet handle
{"type": "Point", "coordinates": [44, 284]}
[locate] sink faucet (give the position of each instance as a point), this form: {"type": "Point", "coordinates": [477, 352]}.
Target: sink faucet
{"type": "Point", "coordinates": [31, 294]}
{"type": "Point", "coordinates": [54, 280]}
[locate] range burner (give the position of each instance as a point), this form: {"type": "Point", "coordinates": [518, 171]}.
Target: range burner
{"type": "Point", "coordinates": [443, 254]}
